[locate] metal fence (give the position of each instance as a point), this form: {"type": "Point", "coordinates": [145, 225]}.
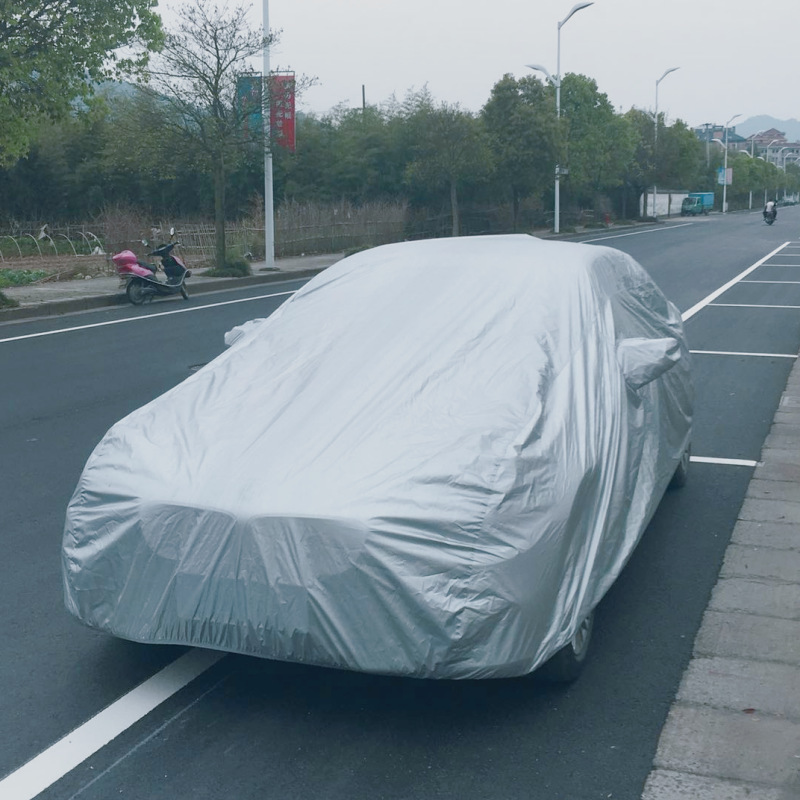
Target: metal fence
{"type": "Point", "coordinates": [300, 229]}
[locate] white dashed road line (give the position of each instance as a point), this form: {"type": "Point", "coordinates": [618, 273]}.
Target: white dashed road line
{"type": "Point", "coordinates": [726, 462]}
{"type": "Point", "coordinates": [144, 317]}
{"type": "Point", "coordinates": [731, 353]}
{"type": "Point", "coordinates": [637, 233]}
{"type": "Point", "coordinates": [748, 305]}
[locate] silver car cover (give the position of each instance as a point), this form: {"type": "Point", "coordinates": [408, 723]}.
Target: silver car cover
{"type": "Point", "coordinates": [433, 460]}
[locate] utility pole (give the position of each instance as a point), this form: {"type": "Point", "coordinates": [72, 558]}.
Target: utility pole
{"type": "Point", "coordinates": [269, 212]}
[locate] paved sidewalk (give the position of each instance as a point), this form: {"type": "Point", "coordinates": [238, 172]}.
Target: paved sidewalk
{"type": "Point", "coordinates": [63, 297]}
{"type": "Point", "coordinates": [733, 732]}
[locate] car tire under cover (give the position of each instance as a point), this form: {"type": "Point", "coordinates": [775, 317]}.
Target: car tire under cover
{"type": "Point", "coordinates": [567, 664]}
{"type": "Point", "coordinates": [682, 471]}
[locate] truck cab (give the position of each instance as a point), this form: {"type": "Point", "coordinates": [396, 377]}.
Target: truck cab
{"type": "Point", "coordinates": [697, 203]}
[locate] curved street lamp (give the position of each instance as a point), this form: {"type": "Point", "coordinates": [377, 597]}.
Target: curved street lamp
{"type": "Point", "coordinates": [556, 81]}
{"type": "Point", "coordinates": [655, 138]}
{"type": "Point", "coordinates": [725, 168]}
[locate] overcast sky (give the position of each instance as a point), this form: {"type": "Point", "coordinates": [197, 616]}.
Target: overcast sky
{"type": "Point", "coordinates": [734, 56]}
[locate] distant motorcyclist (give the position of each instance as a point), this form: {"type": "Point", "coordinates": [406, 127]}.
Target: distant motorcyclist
{"type": "Point", "coordinates": [771, 209]}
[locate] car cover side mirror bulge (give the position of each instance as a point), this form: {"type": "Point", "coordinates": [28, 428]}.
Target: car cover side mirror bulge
{"type": "Point", "coordinates": [644, 360]}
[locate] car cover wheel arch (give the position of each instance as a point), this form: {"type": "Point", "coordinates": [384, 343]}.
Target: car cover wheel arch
{"type": "Point", "coordinates": [567, 664]}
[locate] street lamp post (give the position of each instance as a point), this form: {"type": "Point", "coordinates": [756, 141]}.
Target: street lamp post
{"type": "Point", "coordinates": [749, 155]}
{"type": "Point", "coordinates": [766, 149]}
{"type": "Point", "coordinates": [556, 81]}
{"type": "Point", "coordinates": [777, 159]}
{"type": "Point", "coordinates": [707, 127]}
{"type": "Point", "coordinates": [725, 167]}
{"type": "Point", "coordinates": [753, 141]}
{"type": "Point", "coordinates": [269, 216]}
{"type": "Point", "coordinates": [655, 137]}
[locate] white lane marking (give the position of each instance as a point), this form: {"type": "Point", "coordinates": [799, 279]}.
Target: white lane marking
{"type": "Point", "coordinates": [748, 305]}
{"type": "Point", "coordinates": [67, 753]}
{"type": "Point", "coordinates": [145, 317]}
{"type": "Point", "coordinates": [715, 294]}
{"type": "Point", "coordinates": [726, 462]}
{"type": "Point", "coordinates": [149, 738]}
{"type": "Point", "coordinates": [637, 233]}
{"type": "Point", "coordinates": [792, 282]}
{"type": "Point", "coordinates": [731, 353]}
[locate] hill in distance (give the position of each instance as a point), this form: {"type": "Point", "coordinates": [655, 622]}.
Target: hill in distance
{"type": "Point", "coordinates": [790, 127]}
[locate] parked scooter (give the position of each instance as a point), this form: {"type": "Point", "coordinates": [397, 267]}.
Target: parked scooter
{"type": "Point", "coordinates": [140, 278]}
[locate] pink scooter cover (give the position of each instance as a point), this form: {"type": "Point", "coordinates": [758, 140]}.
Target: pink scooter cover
{"type": "Point", "coordinates": [126, 262]}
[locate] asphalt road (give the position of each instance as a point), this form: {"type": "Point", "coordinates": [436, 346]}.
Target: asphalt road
{"type": "Point", "coordinates": [248, 728]}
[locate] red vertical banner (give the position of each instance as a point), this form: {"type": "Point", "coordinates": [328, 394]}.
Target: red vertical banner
{"type": "Point", "coordinates": [281, 109]}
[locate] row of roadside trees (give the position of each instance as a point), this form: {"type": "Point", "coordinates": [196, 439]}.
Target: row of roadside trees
{"type": "Point", "coordinates": [175, 143]}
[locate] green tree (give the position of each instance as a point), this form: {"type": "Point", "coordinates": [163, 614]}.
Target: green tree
{"type": "Point", "coordinates": [639, 172]}
{"type": "Point", "coordinates": [680, 159]}
{"type": "Point", "coordinates": [451, 150]}
{"type": "Point", "coordinates": [679, 162]}
{"type": "Point", "coordinates": [62, 177]}
{"type": "Point", "coordinates": [792, 177]}
{"type": "Point", "coordinates": [148, 162]}
{"type": "Point", "coordinates": [54, 51]}
{"type": "Point", "coordinates": [304, 175]}
{"type": "Point", "coordinates": [360, 169]}
{"type": "Point", "coordinates": [519, 118]}
{"type": "Point", "coordinates": [599, 143]}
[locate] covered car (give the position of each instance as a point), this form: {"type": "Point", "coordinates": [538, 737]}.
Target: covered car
{"type": "Point", "coordinates": [433, 460]}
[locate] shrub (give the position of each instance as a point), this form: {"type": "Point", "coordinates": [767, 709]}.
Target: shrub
{"type": "Point", "coordinates": [7, 302]}
{"type": "Point", "coordinates": [235, 267]}
{"type": "Point", "coordinates": [20, 277]}
{"type": "Point", "coordinates": [351, 251]}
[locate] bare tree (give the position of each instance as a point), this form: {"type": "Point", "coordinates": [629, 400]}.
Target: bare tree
{"type": "Point", "coordinates": [196, 77]}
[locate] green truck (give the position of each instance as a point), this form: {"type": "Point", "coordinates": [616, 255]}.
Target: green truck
{"type": "Point", "coordinates": [697, 203]}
